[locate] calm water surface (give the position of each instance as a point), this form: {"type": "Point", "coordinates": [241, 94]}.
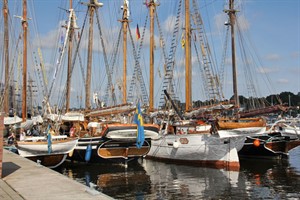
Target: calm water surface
{"type": "Point", "coordinates": [146, 179]}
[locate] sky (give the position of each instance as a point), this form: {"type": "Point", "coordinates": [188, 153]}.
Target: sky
{"type": "Point", "coordinates": [270, 30]}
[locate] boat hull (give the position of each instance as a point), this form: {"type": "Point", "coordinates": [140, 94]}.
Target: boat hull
{"type": "Point", "coordinates": [198, 149]}
{"type": "Point", "coordinates": [106, 150]}
{"type": "Point", "coordinates": [241, 132]}
{"type": "Point", "coordinates": [40, 148]}
{"type": "Point", "coordinates": [37, 150]}
{"type": "Point", "coordinates": [273, 146]}
{"type": "Point", "coordinates": [113, 149]}
{"type": "Point", "coordinates": [51, 161]}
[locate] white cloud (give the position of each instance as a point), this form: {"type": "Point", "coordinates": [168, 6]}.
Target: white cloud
{"type": "Point", "coordinates": [295, 54]}
{"type": "Point", "coordinates": [242, 23]}
{"type": "Point", "coordinates": [266, 70]}
{"type": "Point", "coordinates": [282, 81]}
{"type": "Point", "coordinates": [273, 57]}
{"type": "Point", "coordinates": [222, 18]}
{"type": "Point", "coordinates": [169, 24]}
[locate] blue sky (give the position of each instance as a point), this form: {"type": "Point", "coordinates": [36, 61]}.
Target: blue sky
{"type": "Point", "coordinates": [271, 27]}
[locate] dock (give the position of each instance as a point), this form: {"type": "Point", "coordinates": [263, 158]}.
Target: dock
{"type": "Point", "coordinates": [25, 179]}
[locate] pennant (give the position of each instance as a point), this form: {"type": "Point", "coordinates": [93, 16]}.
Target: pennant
{"type": "Point", "coordinates": [138, 119]}
{"type": "Point", "coordinates": [137, 32]}
{"type": "Point", "coordinates": [147, 4]}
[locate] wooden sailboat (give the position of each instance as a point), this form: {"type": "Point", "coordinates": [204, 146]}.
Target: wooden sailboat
{"type": "Point", "coordinates": [237, 125]}
{"type": "Point", "coordinates": [10, 119]}
{"type": "Point", "coordinates": [259, 142]}
{"type": "Point", "coordinates": [193, 141]}
{"type": "Point", "coordinates": [48, 152]}
{"type": "Point", "coordinates": [100, 136]}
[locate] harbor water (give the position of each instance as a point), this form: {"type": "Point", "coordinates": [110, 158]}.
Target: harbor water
{"type": "Point", "coordinates": [147, 179]}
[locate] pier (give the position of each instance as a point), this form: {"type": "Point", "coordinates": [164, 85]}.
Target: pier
{"type": "Point", "coordinates": [24, 179]}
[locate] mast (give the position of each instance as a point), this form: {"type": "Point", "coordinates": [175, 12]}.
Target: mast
{"type": "Point", "coordinates": [232, 16]}
{"type": "Point", "coordinates": [24, 93]}
{"type": "Point", "coordinates": [188, 77]}
{"type": "Point", "coordinates": [125, 22]}
{"type": "Point", "coordinates": [6, 58]}
{"type": "Point", "coordinates": [70, 46]}
{"type": "Point", "coordinates": [92, 7]}
{"type": "Point", "coordinates": [152, 7]}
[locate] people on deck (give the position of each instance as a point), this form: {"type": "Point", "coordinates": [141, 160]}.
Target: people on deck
{"type": "Point", "coordinates": [51, 131]}
{"type": "Point", "coordinates": [72, 131]}
{"type": "Point", "coordinates": [22, 135]}
{"type": "Point", "coordinates": [35, 132]}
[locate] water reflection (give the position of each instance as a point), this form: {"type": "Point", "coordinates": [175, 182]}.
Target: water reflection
{"type": "Point", "coordinates": [184, 182]}
{"type": "Point", "coordinates": [146, 179]}
{"type": "Point", "coordinates": [267, 179]}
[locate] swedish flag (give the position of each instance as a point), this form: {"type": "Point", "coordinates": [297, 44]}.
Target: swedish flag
{"type": "Point", "coordinates": [138, 119]}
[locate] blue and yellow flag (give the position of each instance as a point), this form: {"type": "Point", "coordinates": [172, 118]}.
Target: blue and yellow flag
{"type": "Point", "coordinates": [138, 119]}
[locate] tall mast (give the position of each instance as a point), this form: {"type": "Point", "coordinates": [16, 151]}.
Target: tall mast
{"type": "Point", "coordinates": [231, 13]}
{"type": "Point", "coordinates": [6, 58]}
{"type": "Point", "coordinates": [92, 7]}
{"type": "Point", "coordinates": [125, 22]}
{"type": "Point", "coordinates": [24, 94]}
{"type": "Point", "coordinates": [188, 77]}
{"type": "Point", "coordinates": [70, 45]}
{"type": "Point", "coordinates": [152, 7]}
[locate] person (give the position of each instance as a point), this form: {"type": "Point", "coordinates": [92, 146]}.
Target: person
{"type": "Point", "coordinates": [11, 139]}
{"type": "Point", "coordinates": [35, 132]}
{"type": "Point", "coordinates": [51, 131]}
{"type": "Point", "coordinates": [72, 131]}
{"type": "Point", "coordinates": [22, 135]}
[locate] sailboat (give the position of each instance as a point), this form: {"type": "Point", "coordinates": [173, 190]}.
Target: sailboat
{"type": "Point", "coordinates": [41, 149]}
{"type": "Point", "coordinates": [237, 125]}
{"type": "Point", "coordinates": [192, 141]}
{"type": "Point", "coordinates": [265, 143]}
{"type": "Point", "coordinates": [105, 133]}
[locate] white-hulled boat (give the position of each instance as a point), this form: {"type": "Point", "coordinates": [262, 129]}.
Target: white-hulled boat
{"type": "Point", "coordinates": [39, 149]}
{"type": "Point", "coordinates": [192, 144]}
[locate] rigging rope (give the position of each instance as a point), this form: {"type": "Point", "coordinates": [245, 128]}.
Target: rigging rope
{"type": "Point", "coordinates": [105, 58]}
{"type": "Point", "coordinates": [211, 78]}
{"type": "Point", "coordinates": [59, 61]}
{"type": "Point", "coordinates": [114, 58]}
{"type": "Point", "coordinates": [168, 82]}
{"type": "Point", "coordinates": [137, 73]}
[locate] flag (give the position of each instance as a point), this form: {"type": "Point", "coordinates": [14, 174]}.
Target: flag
{"type": "Point", "coordinates": [138, 119]}
{"type": "Point", "coordinates": [147, 4]}
{"type": "Point", "coordinates": [137, 32]}
{"type": "Point", "coordinates": [182, 41]}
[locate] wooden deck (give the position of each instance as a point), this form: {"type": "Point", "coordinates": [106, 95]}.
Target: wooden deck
{"type": "Point", "coordinates": [24, 179]}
